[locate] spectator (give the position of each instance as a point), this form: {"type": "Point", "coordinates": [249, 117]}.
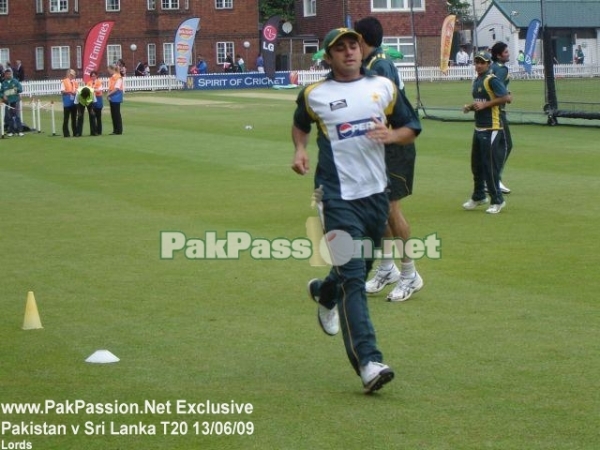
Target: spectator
{"type": "Point", "coordinates": [163, 69]}
{"type": "Point", "coordinates": [579, 56]}
{"type": "Point", "coordinates": [11, 95]}
{"type": "Point", "coordinates": [521, 58]}
{"type": "Point", "coordinates": [462, 57]}
{"type": "Point", "coordinates": [241, 65]}
{"type": "Point", "coordinates": [229, 65]}
{"type": "Point", "coordinates": [19, 71]}
{"type": "Point", "coordinates": [146, 70]}
{"type": "Point", "coordinates": [260, 64]}
{"type": "Point", "coordinates": [139, 69]}
{"type": "Point", "coordinates": [202, 66]}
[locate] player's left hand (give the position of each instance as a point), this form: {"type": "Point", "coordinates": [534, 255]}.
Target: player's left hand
{"type": "Point", "coordinates": [380, 133]}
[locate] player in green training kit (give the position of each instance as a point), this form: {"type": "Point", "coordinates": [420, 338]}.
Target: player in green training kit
{"type": "Point", "coordinates": [357, 114]}
{"type": "Point", "coordinates": [488, 149]}
{"type": "Point", "coordinates": [400, 167]}
{"type": "Point", "coordinates": [500, 56]}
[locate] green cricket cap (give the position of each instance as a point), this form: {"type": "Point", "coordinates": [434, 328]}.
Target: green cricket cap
{"type": "Point", "coordinates": [332, 37]}
{"type": "Point", "coordinates": [484, 56]}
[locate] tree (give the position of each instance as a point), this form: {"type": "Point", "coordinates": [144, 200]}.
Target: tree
{"type": "Point", "coordinates": [283, 8]}
{"type": "Point", "coordinates": [461, 8]}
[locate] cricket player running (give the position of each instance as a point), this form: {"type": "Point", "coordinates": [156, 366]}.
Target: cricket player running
{"type": "Point", "coordinates": [356, 114]}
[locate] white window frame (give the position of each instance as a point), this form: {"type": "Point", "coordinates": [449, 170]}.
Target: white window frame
{"type": "Point", "coordinates": [114, 52]}
{"type": "Point", "coordinates": [39, 6]}
{"type": "Point", "coordinates": [76, 5]}
{"type": "Point", "coordinates": [223, 4]}
{"type": "Point", "coordinates": [60, 57]}
{"type": "Point", "coordinates": [397, 5]}
{"type": "Point", "coordinates": [310, 46]}
{"type": "Point", "coordinates": [4, 54]}
{"type": "Point", "coordinates": [151, 5]}
{"type": "Point", "coordinates": [405, 45]}
{"type": "Point", "coordinates": [169, 4]}
{"type": "Point", "coordinates": [3, 7]}
{"type": "Point", "coordinates": [169, 53]}
{"type": "Point", "coordinates": [79, 57]}
{"type": "Point", "coordinates": [222, 49]}
{"type": "Point", "coordinates": [58, 6]}
{"type": "Point", "coordinates": [113, 5]}
{"type": "Point", "coordinates": [151, 50]}
{"type": "Point", "coordinates": [186, 4]}
{"type": "Point", "coordinates": [39, 58]}
{"type": "Point", "coordinates": [310, 8]}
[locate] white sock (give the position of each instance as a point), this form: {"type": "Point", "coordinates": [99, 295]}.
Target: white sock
{"type": "Point", "coordinates": [387, 262]}
{"type": "Point", "coordinates": [408, 269]}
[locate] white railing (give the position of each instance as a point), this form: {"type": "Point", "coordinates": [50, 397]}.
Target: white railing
{"type": "Point", "coordinates": [456, 73]}
{"type": "Point", "coordinates": [430, 74]}
{"type": "Point", "coordinates": [151, 83]}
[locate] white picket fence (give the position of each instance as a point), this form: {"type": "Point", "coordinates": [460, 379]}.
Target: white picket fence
{"type": "Point", "coordinates": [34, 89]}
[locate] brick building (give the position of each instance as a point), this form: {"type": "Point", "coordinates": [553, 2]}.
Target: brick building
{"type": "Point", "coordinates": [48, 36]}
{"type": "Point", "coordinates": [314, 19]}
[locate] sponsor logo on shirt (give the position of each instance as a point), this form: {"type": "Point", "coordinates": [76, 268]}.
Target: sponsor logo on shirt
{"type": "Point", "coordinates": [355, 128]}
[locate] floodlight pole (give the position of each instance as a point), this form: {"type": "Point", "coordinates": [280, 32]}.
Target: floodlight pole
{"type": "Point", "coordinates": [414, 39]}
{"type": "Point", "coordinates": [475, 43]}
{"type": "Point", "coordinates": [550, 87]}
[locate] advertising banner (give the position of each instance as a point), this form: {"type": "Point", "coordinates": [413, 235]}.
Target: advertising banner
{"type": "Point", "coordinates": [268, 43]}
{"type": "Point", "coordinates": [446, 44]}
{"type": "Point", "coordinates": [530, 40]}
{"type": "Point", "coordinates": [95, 44]}
{"type": "Point", "coordinates": [184, 42]}
{"type": "Point", "coordinates": [242, 81]}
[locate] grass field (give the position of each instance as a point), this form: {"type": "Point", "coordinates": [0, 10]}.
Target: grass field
{"type": "Point", "coordinates": [500, 350]}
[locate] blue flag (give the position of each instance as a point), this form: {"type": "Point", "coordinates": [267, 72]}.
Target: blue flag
{"type": "Point", "coordinates": [532, 35]}
{"type": "Point", "coordinates": [184, 41]}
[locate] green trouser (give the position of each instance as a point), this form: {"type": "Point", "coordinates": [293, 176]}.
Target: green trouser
{"type": "Point", "coordinates": [345, 284]}
{"type": "Point", "coordinates": [488, 152]}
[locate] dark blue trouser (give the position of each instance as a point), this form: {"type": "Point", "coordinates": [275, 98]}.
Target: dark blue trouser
{"type": "Point", "coordinates": [345, 285]}
{"type": "Point", "coordinates": [488, 153]}
{"type": "Point", "coordinates": [13, 118]}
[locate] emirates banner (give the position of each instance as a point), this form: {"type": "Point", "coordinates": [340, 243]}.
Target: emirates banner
{"type": "Point", "coordinates": [446, 44]}
{"type": "Point", "coordinates": [268, 44]}
{"type": "Point", "coordinates": [184, 42]}
{"type": "Point", "coordinates": [95, 44]}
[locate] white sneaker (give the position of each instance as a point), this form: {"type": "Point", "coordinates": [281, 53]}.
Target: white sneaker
{"type": "Point", "coordinates": [472, 204]}
{"type": "Point", "coordinates": [504, 189]}
{"type": "Point", "coordinates": [329, 319]}
{"type": "Point", "coordinates": [10, 135]}
{"type": "Point", "coordinates": [21, 134]}
{"type": "Point", "coordinates": [382, 278]}
{"type": "Point", "coordinates": [374, 375]}
{"type": "Point", "coordinates": [496, 208]}
{"type": "Point", "coordinates": [405, 288]}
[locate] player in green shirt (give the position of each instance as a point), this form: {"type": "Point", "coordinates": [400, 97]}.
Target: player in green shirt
{"type": "Point", "coordinates": [488, 148]}
{"type": "Point", "coordinates": [500, 56]}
